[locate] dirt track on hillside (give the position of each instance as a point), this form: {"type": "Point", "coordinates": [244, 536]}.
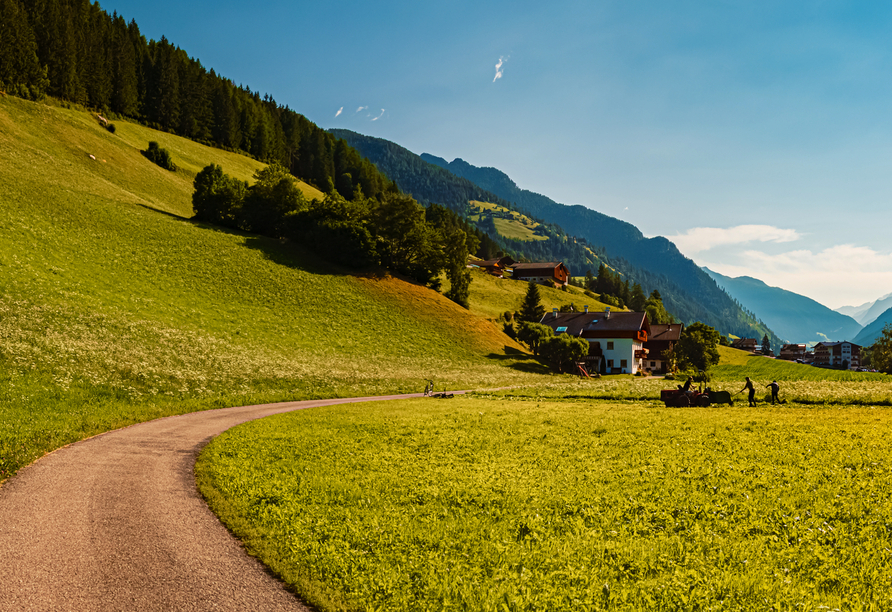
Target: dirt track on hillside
{"type": "Point", "coordinates": [116, 523]}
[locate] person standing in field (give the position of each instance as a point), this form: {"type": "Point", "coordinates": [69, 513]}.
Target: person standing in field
{"type": "Point", "coordinates": [775, 388]}
{"type": "Point", "coordinates": [752, 389]}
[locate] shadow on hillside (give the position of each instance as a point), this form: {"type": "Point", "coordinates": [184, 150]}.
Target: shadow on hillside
{"type": "Point", "coordinates": [523, 362]}
{"type": "Point", "coordinates": [161, 211]}
{"type": "Point", "coordinates": [291, 255]}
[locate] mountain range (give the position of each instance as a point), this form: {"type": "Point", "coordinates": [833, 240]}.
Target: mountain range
{"type": "Point", "coordinates": [868, 312]}
{"type": "Point", "coordinates": [794, 317]}
{"type": "Point", "coordinates": [687, 291]}
{"type": "Point", "coordinates": [874, 316]}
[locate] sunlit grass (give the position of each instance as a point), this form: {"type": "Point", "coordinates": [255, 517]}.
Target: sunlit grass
{"type": "Point", "coordinates": [530, 504]}
{"type": "Point", "coordinates": [112, 312]}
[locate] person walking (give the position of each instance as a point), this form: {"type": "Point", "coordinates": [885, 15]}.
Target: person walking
{"type": "Point", "coordinates": [752, 389]}
{"type": "Point", "coordinates": [775, 388]}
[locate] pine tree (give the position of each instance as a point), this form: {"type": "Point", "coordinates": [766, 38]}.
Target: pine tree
{"type": "Point", "coordinates": [531, 309]}
{"type": "Point", "coordinates": [637, 301]}
{"type": "Point", "coordinates": [125, 94]}
{"type": "Point", "coordinates": [20, 71]}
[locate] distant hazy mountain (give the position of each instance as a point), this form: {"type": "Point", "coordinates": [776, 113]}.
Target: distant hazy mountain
{"type": "Point", "coordinates": [792, 316]}
{"type": "Point", "coordinates": [873, 330]}
{"type": "Point", "coordinates": [867, 313]}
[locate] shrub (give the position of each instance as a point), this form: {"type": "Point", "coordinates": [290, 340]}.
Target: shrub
{"type": "Point", "coordinates": [508, 328]}
{"type": "Point", "coordinates": [111, 128]}
{"type": "Point", "coordinates": [159, 156]}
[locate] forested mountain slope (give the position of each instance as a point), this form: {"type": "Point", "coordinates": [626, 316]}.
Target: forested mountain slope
{"type": "Point", "coordinates": [688, 292]}
{"type": "Point", "coordinates": [873, 330]}
{"type": "Point", "coordinates": [430, 184]}
{"type": "Point", "coordinates": [794, 317]}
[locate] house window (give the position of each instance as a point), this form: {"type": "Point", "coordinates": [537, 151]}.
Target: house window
{"type": "Point", "coordinates": [623, 363]}
{"type": "Point", "coordinates": [610, 346]}
{"type": "Point", "coordinates": [610, 363]}
{"type": "Point", "coordinates": [653, 364]}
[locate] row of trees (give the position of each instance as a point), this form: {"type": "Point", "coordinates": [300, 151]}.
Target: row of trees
{"type": "Point", "coordinates": [75, 51]}
{"type": "Point", "coordinates": [392, 231]}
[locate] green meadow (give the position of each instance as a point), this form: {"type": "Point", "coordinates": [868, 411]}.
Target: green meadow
{"type": "Point", "coordinates": [116, 308]}
{"type": "Point", "coordinates": [524, 503]}
{"type": "Point", "coordinates": [511, 224]}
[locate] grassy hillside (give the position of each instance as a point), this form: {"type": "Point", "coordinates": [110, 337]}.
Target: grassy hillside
{"type": "Point", "coordinates": [492, 297]}
{"type": "Point", "coordinates": [508, 223]}
{"type": "Point", "coordinates": [114, 307]}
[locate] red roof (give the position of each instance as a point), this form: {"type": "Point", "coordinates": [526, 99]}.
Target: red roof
{"type": "Point", "coordinates": [597, 324]}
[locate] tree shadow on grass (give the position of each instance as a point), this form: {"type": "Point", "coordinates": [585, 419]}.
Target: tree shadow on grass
{"type": "Point", "coordinates": [279, 251]}
{"type": "Point", "coordinates": [523, 362]}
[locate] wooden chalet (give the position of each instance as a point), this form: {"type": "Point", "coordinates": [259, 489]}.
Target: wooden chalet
{"type": "Point", "coordinates": [616, 339]}
{"type": "Point", "coordinates": [793, 352]}
{"type": "Point", "coordinates": [553, 272]}
{"type": "Point", "coordinates": [746, 344]}
{"type": "Point", "coordinates": [496, 267]}
{"type": "Point", "coordinates": [663, 337]}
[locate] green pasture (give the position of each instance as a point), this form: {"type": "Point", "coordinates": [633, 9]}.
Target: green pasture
{"type": "Point", "coordinates": [517, 227]}
{"type": "Point", "coordinates": [116, 308]}
{"type": "Point", "coordinates": [492, 297]}
{"type": "Point", "coordinates": [520, 503]}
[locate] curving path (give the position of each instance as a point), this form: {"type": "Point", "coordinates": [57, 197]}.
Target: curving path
{"type": "Point", "coordinates": [115, 522]}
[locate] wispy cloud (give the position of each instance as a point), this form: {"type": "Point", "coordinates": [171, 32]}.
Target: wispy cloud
{"type": "Point", "coordinates": [379, 116]}
{"type": "Point", "coordinates": [701, 239]}
{"type": "Point", "coordinates": [361, 108]}
{"type": "Point", "coordinates": [499, 70]}
{"type": "Point", "coordinates": [340, 110]}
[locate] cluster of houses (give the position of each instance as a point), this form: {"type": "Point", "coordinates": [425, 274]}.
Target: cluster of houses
{"type": "Point", "coordinates": [619, 342]}
{"type": "Point", "coordinates": [555, 273]}
{"type": "Point", "coordinates": [626, 342]}
{"type": "Point", "coordinates": [824, 354]}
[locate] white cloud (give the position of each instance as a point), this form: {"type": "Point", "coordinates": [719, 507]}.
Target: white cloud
{"type": "Point", "coordinates": [499, 70]}
{"type": "Point", "coordinates": [836, 276]}
{"type": "Point", "coordinates": [379, 116]}
{"type": "Point", "coordinates": [701, 239]}
{"type": "Point", "coordinates": [361, 108]}
{"type": "Point", "coordinates": [340, 110]}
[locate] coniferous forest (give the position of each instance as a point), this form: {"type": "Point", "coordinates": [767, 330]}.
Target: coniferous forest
{"type": "Point", "coordinates": [75, 51]}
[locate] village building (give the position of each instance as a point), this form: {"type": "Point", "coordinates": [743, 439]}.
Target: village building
{"type": "Point", "coordinates": [616, 339]}
{"type": "Point", "coordinates": [793, 352]}
{"type": "Point", "coordinates": [661, 339]}
{"type": "Point", "coordinates": [746, 344]}
{"type": "Point", "coordinates": [496, 267]}
{"type": "Point", "coordinates": [838, 354]}
{"type": "Point", "coordinates": [552, 272]}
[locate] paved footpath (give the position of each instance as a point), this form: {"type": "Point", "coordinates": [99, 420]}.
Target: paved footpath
{"type": "Point", "coordinates": [115, 522]}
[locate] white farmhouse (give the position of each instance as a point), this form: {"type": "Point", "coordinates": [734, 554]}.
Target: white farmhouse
{"type": "Point", "coordinates": [616, 339]}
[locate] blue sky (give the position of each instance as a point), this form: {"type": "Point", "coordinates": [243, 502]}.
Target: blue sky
{"type": "Point", "coordinates": [755, 135]}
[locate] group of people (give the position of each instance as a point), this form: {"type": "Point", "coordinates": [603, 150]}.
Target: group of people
{"type": "Point", "coordinates": [775, 389]}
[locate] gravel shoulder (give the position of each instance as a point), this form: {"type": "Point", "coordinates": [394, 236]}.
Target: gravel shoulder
{"type": "Point", "coordinates": [115, 522]}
